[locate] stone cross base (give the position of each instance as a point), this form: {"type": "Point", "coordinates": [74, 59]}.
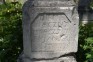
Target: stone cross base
{"type": "Point", "coordinates": [63, 59]}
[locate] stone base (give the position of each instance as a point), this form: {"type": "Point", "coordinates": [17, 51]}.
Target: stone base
{"type": "Point", "coordinates": [62, 59]}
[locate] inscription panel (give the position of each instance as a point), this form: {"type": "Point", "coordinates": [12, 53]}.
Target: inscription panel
{"type": "Point", "coordinates": [50, 33]}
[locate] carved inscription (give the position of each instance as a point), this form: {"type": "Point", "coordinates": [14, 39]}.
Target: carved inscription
{"type": "Point", "coordinates": [47, 31]}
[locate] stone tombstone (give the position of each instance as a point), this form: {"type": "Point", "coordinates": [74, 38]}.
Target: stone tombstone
{"type": "Point", "coordinates": [50, 30]}
{"type": "Point", "coordinates": [85, 11]}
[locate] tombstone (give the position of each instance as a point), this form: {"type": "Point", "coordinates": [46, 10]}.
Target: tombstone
{"type": "Point", "coordinates": [85, 11]}
{"type": "Point", "coordinates": [50, 31]}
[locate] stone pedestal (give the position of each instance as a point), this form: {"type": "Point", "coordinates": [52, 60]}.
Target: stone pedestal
{"type": "Point", "coordinates": [50, 31]}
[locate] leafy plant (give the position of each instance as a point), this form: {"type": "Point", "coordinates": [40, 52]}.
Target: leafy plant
{"type": "Point", "coordinates": [10, 31]}
{"type": "Point", "coordinates": [85, 50]}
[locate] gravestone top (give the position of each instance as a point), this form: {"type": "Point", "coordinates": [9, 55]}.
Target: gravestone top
{"type": "Point", "coordinates": [52, 3]}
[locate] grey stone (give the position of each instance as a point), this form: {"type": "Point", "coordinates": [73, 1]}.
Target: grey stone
{"type": "Point", "coordinates": [50, 30]}
{"type": "Point", "coordinates": [63, 59]}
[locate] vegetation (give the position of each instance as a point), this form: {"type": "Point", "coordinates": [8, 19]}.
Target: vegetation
{"type": "Point", "coordinates": [11, 35]}
{"type": "Point", "coordinates": [10, 32]}
{"type": "Point", "coordinates": [85, 50]}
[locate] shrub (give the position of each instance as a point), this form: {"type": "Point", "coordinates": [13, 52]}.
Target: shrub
{"type": "Point", "coordinates": [85, 50]}
{"type": "Point", "coordinates": [10, 31]}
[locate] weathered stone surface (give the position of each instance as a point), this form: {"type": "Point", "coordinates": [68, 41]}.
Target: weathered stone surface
{"type": "Point", "coordinates": [50, 30]}
{"type": "Point", "coordinates": [63, 59]}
